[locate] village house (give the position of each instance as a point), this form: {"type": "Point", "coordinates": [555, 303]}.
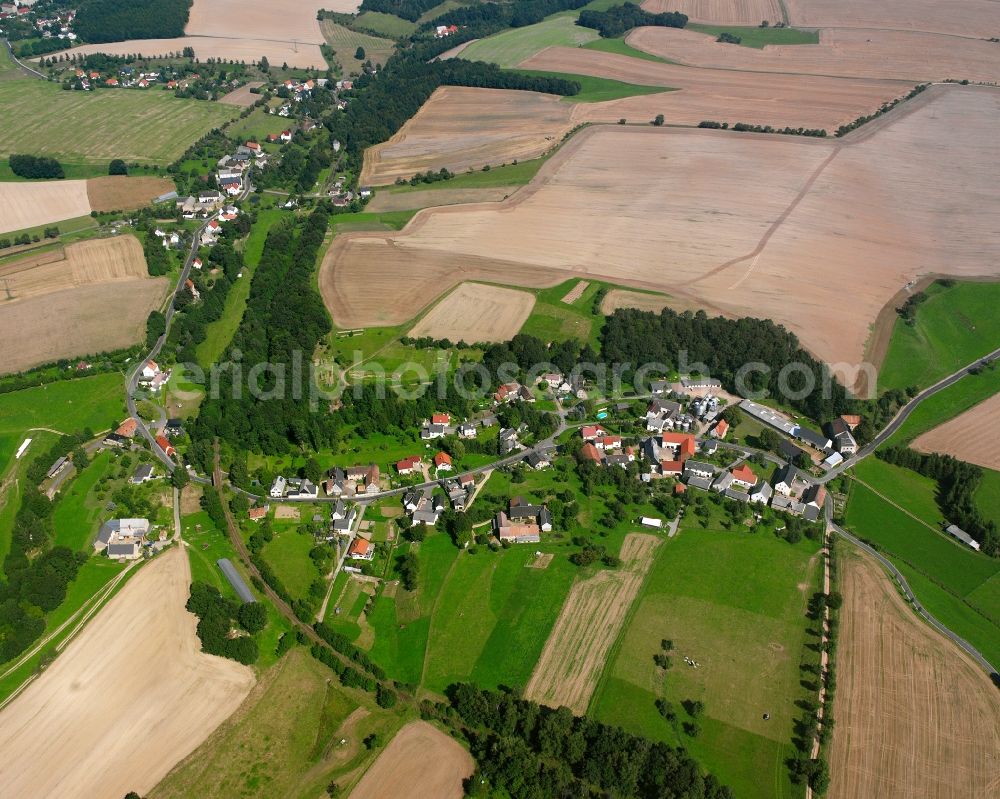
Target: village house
{"type": "Point", "coordinates": [143, 474]}
{"type": "Point", "coordinates": [591, 453]}
{"type": "Point", "coordinates": [361, 549]}
{"type": "Point", "coordinates": [256, 514]}
{"type": "Point", "coordinates": [467, 430]}
{"type": "Point", "coordinates": [163, 443]}
{"type": "Point", "coordinates": [537, 460]}
{"type": "Point", "coordinates": [121, 539]}
{"type": "Point", "coordinates": [843, 440]}
{"type": "Point", "coordinates": [431, 431]}
{"type": "Point", "coordinates": [508, 440]}
{"type": "Point", "coordinates": [442, 462]}
{"type": "Point", "coordinates": [522, 523]}
{"type": "Point", "coordinates": [720, 429]}
{"type": "Point", "coordinates": [278, 487]}
{"type": "Point", "coordinates": [591, 432]}
{"type": "Point", "coordinates": [408, 465]}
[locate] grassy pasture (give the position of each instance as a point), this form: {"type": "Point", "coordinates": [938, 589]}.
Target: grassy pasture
{"type": "Point", "coordinates": [284, 739]}
{"type": "Point", "coordinates": [345, 43]}
{"type": "Point", "coordinates": [288, 554]}
{"type": "Point", "coordinates": [509, 48]}
{"type": "Point", "coordinates": [257, 125]}
{"type": "Point", "coordinates": [760, 37]}
{"type": "Point", "coordinates": [387, 25]}
{"type": "Point", "coordinates": [598, 90]}
{"type": "Point", "coordinates": [620, 47]}
{"type": "Point", "coordinates": [988, 495]}
{"type": "Point", "coordinates": [510, 175]}
{"type": "Point", "coordinates": [151, 127]}
{"type": "Point", "coordinates": [954, 326]}
{"type": "Point", "coordinates": [735, 603]}
{"type": "Point", "coordinates": [78, 510]}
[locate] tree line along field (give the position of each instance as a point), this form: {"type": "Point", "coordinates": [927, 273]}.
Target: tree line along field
{"type": "Point", "coordinates": [147, 127]}
{"type": "Point", "coordinates": [952, 327]}
{"type": "Point", "coordinates": [943, 739]}
{"type": "Point", "coordinates": [735, 603]}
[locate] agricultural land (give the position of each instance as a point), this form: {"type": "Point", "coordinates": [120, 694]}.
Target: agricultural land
{"type": "Point", "coordinates": [475, 312]}
{"type": "Point", "coordinates": [968, 437]}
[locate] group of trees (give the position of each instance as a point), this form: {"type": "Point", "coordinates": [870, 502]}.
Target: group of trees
{"type": "Point", "coordinates": [618, 20]}
{"type": "Point", "coordinates": [120, 20]}
{"type": "Point", "coordinates": [527, 751]}
{"type": "Point", "coordinates": [284, 321]}
{"type": "Point", "coordinates": [957, 483]}
{"type": "Point", "coordinates": [35, 166]}
{"type": "Point", "coordinates": [410, 10]}
{"type": "Point", "coordinates": [217, 618]}
{"type": "Point", "coordinates": [908, 310]}
{"type": "Point", "coordinates": [723, 347]}
{"type": "Point", "coordinates": [843, 130]}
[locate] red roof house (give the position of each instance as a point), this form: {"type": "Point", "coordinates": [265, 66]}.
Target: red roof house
{"type": "Point", "coordinates": [165, 445]}
{"type": "Point", "coordinates": [407, 465]}
{"type": "Point", "coordinates": [442, 461]}
{"type": "Point", "coordinates": [590, 452]}
{"type": "Point", "coordinates": [441, 418]}
{"type": "Point", "coordinates": [684, 443]}
{"type": "Point", "coordinates": [745, 475]}
{"type": "Point", "coordinates": [720, 430]}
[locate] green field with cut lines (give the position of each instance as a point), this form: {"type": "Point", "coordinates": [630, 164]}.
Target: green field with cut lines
{"type": "Point", "coordinates": [952, 327]}
{"type": "Point", "coordinates": [598, 90]}
{"type": "Point", "coordinates": [759, 37]}
{"type": "Point", "coordinates": [735, 603]}
{"type": "Point", "coordinates": [509, 48]}
{"type": "Point", "coordinates": [149, 127]}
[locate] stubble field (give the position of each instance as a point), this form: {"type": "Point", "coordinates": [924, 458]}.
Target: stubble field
{"type": "Point", "coordinates": [898, 55]}
{"type": "Point", "coordinates": [915, 716]}
{"type": "Point", "coordinates": [420, 761]}
{"type": "Point", "coordinates": [976, 19]}
{"type": "Point", "coordinates": [128, 699]}
{"type": "Point", "coordinates": [92, 297]}
{"type": "Point", "coordinates": [461, 128]}
{"type": "Point", "coordinates": [723, 12]}
{"type": "Point", "coordinates": [732, 222]}
{"type": "Point", "coordinates": [303, 55]}
{"type": "Point", "coordinates": [969, 437]}
{"type": "Point", "coordinates": [576, 651]}
{"type": "Point", "coordinates": [475, 312]}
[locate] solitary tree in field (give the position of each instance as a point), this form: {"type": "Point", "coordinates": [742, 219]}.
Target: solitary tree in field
{"type": "Point", "coordinates": [659, 120]}
{"type": "Point", "coordinates": [117, 167]}
{"type": "Point", "coordinates": [359, 54]}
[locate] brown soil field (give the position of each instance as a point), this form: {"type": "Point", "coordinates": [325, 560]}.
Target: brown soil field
{"type": "Point", "coordinates": [722, 220]}
{"type": "Point", "coordinates": [722, 12]}
{"type": "Point", "coordinates": [420, 762]}
{"type": "Point", "coordinates": [591, 619]}
{"type": "Point", "coordinates": [620, 298]}
{"type": "Point", "coordinates": [303, 55]}
{"type": "Point", "coordinates": [977, 19]}
{"type": "Point", "coordinates": [808, 101]}
{"type": "Point", "coordinates": [576, 292]}
{"type": "Point", "coordinates": [25, 205]}
{"type": "Point", "coordinates": [914, 715]}
{"type": "Point", "coordinates": [475, 312]}
{"type": "Point", "coordinates": [243, 96]}
{"type": "Point", "coordinates": [126, 700]}
{"type": "Point", "coordinates": [463, 129]}
{"type": "Point", "coordinates": [93, 297]}
{"type": "Point", "coordinates": [845, 52]}
{"type": "Point", "coordinates": [969, 436]}
{"type": "Point", "coordinates": [121, 193]}
{"type": "Point", "coordinates": [409, 200]}
{"type": "Point", "coordinates": [260, 19]}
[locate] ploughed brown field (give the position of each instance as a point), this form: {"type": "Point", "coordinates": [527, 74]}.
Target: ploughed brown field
{"type": "Point", "coordinates": [971, 436]}
{"type": "Point", "coordinates": [815, 234]}
{"type": "Point", "coordinates": [92, 297]}
{"type": "Point", "coordinates": [640, 300]}
{"type": "Point", "coordinates": [121, 193]}
{"type": "Point", "coordinates": [420, 762]}
{"type": "Point", "coordinates": [914, 715]}
{"type": "Point", "coordinates": [901, 55]}
{"type": "Point", "coordinates": [475, 312]}
{"type": "Point", "coordinates": [976, 19]}
{"type": "Point", "coordinates": [591, 619]}
{"type": "Point", "coordinates": [126, 700]}
{"type": "Point", "coordinates": [462, 129]}
{"type": "Point", "coordinates": [724, 12]}
{"type": "Point", "coordinates": [243, 96]}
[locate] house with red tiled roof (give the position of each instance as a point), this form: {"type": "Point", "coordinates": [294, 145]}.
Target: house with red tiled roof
{"type": "Point", "coordinates": [591, 432]}
{"type": "Point", "coordinates": [442, 461]}
{"type": "Point", "coordinates": [361, 549]}
{"type": "Point", "coordinates": [165, 445]}
{"type": "Point", "coordinates": [720, 429]}
{"type": "Point", "coordinates": [408, 465]}
{"type": "Point", "coordinates": [608, 442]}
{"type": "Point", "coordinates": [127, 428]}
{"type": "Point", "coordinates": [256, 514]}
{"type": "Point", "coordinates": [441, 418]}
{"type": "Point", "coordinates": [590, 452]}
{"type": "Point", "coordinates": [683, 443]}
{"type": "Point", "coordinates": [743, 475]}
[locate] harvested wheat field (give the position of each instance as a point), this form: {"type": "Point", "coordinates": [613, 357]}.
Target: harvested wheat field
{"type": "Point", "coordinates": [640, 300]}
{"type": "Point", "coordinates": [808, 101]}
{"type": "Point", "coordinates": [721, 12]}
{"type": "Point", "coordinates": [463, 129]}
{"type": "Point", "coordinates": [25, 205]}
{"type": "Point", "coordinates": [121, 193]}
{"type": "Point", "coordinates": [914, 715]}
{"type": "Point", "coordinates": [591, 619]}
{"type": "Point", "coordinates": [99, 289]}
{"type": "Point", "coordinates": [260, 19]}
{"type": "Point", "coordinates": [734, 223]}
{"type": "Point", "coordinates": [410, 200]}
{"type": "Point", "coordinates": [899, 55]}
{"type": "Point", "coordinates": [302, 55]}
{"type": "Point", "coordinates": [420, 762]}
{"type": "Point", "coordinates": [129, 698]}
{"type": "Point", "coordinates": [976, 19]}
{"type": "Point", "coordinates": [475, 312]}
{"type": "Point", "coordinates": [970, 436]}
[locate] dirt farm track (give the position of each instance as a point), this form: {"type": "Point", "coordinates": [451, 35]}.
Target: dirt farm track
{"type": "Point", "coordinates": [128, 699]}
{"type": "Point", "coordinates": [818, 217]}
{"type": "Point", "coordinates": [915, 717]}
